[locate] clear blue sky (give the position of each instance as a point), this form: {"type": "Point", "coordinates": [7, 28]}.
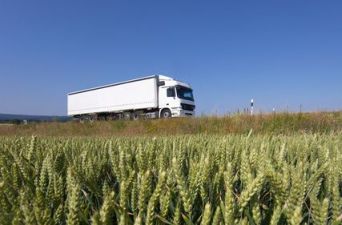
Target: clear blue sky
{"type": "Point", "coordinates": [283, 53]}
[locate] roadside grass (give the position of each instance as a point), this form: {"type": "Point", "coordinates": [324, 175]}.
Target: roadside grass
{"type": "Point", "coordinates": [279, 123]}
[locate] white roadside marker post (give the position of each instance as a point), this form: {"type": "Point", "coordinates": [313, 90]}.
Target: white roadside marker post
{"type": "Point", "coordinates": [252, 106]}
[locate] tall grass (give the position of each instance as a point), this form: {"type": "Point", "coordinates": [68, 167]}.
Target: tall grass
{"type": "Point", "coordinates": [280, 123]}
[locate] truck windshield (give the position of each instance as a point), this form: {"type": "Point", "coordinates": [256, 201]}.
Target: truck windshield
{"type": "Point", "coordinates": [184, 93]}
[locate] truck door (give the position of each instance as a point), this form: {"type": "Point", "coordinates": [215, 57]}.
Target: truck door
{"type": "Point", "coordinates": [167, 97]}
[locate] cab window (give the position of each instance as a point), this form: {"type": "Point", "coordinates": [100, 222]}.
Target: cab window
{"type": "Point", "coordinates": [170, 92]}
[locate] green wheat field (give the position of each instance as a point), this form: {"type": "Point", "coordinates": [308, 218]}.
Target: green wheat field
{"type": "Point", "coordinates": [180, 179]}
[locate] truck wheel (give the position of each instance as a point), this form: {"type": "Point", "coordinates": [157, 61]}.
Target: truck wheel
{"type": "Point", "coordinates": [166, 113]}
{"type": "Point", "coordinates": [127, 116]}
{"type": "Point", "coordinates": [136, 115]}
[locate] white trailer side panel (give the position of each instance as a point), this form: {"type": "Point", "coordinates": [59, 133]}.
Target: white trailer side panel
{"type": "Point", "coordinates": [131, 95]}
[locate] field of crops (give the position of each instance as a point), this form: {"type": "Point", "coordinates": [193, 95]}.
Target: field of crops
{"type": "Point", "coordinates": [276, 123]}
{"type": "Point", "coordinates": [194, 179]}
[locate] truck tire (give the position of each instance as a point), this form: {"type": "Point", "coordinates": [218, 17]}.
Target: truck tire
{"type": "Point", "coordinates": [127, 116]}
{"type": "Point", "coordinates": [136, 115]}
{"type": "Point", "coordinates": [165, 113]}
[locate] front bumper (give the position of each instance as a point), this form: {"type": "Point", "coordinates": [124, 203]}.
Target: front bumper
{"type": "Point", "coordinates": [182, 113]}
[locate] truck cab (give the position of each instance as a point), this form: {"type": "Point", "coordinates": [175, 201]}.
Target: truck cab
{"type": "Point", "coordinates": [175, 98]}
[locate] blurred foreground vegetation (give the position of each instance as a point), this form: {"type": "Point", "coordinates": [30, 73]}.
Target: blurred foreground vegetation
{"type": "Point", "coordinates": [188, 179]}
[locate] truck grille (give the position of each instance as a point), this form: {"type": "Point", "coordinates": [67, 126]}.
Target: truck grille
{"type": "Point", "coordinates": [187, 107]}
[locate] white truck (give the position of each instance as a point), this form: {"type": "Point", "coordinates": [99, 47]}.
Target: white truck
{"type": "Point", "coordinates": [155, 96]}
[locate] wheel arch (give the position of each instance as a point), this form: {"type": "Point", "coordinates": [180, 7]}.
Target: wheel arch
{"type": "Point", "coordinates": [161, 110]}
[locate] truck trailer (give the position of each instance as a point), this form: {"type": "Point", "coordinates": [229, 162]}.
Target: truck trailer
{"type": "Point", "coordinates": [155, 96]}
